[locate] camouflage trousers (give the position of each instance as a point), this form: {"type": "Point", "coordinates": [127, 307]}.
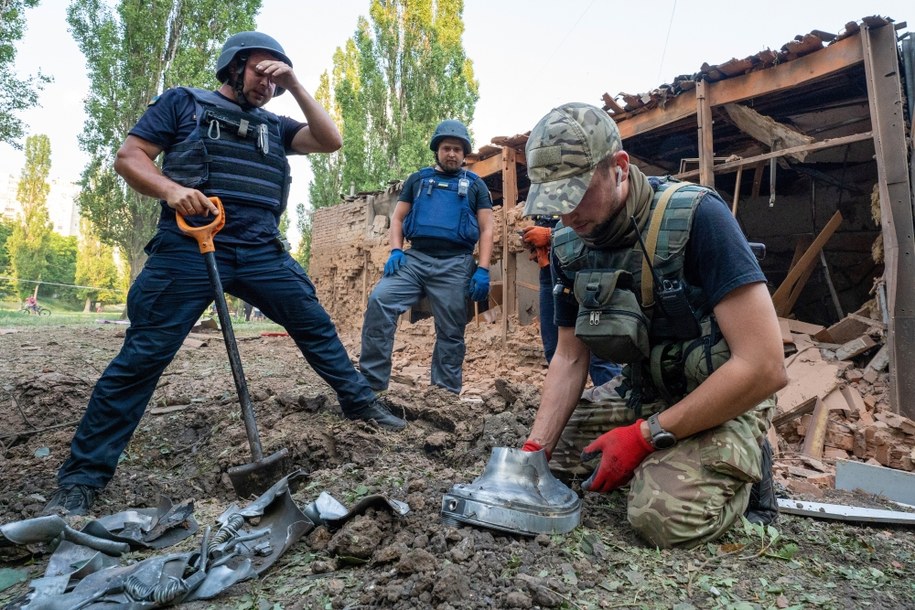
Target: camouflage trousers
{"type": "Point", "coordinates": [682, 496]}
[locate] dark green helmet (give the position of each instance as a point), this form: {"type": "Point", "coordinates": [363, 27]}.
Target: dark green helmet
{"type": "Point", "coordinates": [244, 42]}
{"type": "Point", "coordinates": [450, 129]}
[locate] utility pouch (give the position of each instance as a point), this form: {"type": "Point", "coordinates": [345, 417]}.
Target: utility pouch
{"type": "Point", "coordinates": [671, 296]}
{"type": "Point", "coordinates": [705, 355]}
{"type": "Point", "coordinates": [610, 320]}
{"type": "Point", "coordinates": [187, 163]}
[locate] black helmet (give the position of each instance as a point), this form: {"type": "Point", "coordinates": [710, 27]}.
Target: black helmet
{"type": "Point", "coordinates": [450, 129]}
{"type": "Point", "coordinates": [248, 41]}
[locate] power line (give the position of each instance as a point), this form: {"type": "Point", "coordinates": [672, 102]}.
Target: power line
{"type": "Point", "coordinates": [670, 26]}
{"type": "Point", "coordinates": [569, 32]}
{"type": "Point", "coordinates": [14, 279]}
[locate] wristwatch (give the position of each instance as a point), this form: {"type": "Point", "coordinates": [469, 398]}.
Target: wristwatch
{"type": "Point", "coordinates": [660, 438]}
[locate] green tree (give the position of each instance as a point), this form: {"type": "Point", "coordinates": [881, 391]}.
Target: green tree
{"type": "Point", "coordinates": [133, 52]}
{"type": "Point", "coordinates": [398, 76]}
{"type": "Point", "coordinates": [28, 244]}
{"type": "Point", "coordinates": [15, 93]}
{"type": "Point", "coordinates": [303, 224]}
{"type": "Point", "coordinates": [60, 274]}
{"type": "Point", "coordinates": [6, 230]}
{"type": "Point", "coordinates": [95, 266]}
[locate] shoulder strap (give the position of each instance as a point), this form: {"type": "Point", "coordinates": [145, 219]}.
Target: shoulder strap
{"type": "Point", "coordinates": [651, 242]}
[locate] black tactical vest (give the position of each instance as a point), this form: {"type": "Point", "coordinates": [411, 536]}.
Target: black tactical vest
{"type": "Point", "coordinates": [233, 154]}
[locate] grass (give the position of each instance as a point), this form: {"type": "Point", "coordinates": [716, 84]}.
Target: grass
{"type": "Point", "coordinates": [65, 314]}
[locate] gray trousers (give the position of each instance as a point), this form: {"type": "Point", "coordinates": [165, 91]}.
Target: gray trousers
{"type": "Point", "coordinates": [444, 281]}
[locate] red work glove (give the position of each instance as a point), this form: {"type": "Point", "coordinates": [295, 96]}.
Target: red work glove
{"type": "Point", "coordinates": [535, 446]}
{"type": "Point", "coordinates": [539, 237]}
{"type": "Point", "coordinates": [542, 256]}
{"type": "Point", "coordinates": [621, 449]}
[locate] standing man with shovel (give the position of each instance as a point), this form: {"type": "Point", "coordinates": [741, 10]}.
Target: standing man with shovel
{"type": "Point", "coordinates": [216, 144]}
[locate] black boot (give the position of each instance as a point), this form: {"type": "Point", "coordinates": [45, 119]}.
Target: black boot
{"type": "Point", "coordinates": [763, 506]}
{"type": "Point", "coordinates": [379, 412]}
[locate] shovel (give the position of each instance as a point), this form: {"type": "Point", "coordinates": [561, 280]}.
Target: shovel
{"type": "Point", "coordinates": [254, 478]}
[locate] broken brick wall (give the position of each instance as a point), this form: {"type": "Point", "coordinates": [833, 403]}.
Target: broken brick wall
{"type": "Point", "coordinates": [349, 247]}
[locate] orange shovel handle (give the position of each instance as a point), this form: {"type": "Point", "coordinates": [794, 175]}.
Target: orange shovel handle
{"type": "Point", "coordinates": [204, 234]}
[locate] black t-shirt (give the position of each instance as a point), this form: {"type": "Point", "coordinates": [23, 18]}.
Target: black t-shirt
{"type": "Point", "coordinates": [477, 196]}
{"type": "Point", "coordinates": [170, 119]}
{"type": "Point", "coordinates": [718, 259]}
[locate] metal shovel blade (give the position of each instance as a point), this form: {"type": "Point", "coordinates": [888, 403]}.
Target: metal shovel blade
{"type": "Point", "coordinates": [256, 477]}
{"type": "Point", "coordinates": [516, 493]}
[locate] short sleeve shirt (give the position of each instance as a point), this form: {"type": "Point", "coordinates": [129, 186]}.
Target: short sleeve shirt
{"type": "Point", "coordinates": [718, 259]}
{"type": "Point", "coordinates": [170, 119]}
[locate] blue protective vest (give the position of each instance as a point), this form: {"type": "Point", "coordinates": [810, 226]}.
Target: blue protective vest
{"type": "Point", "coordinates": [233, 154]}
{"type": "Point", "coordinates": [441, 208]}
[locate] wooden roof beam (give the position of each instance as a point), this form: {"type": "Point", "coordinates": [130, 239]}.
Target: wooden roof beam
{"type": "Point", "coordinates": [807, 148]}
{"type": "Point", "coordinates": [767, 130]}
{"type": "Point", "coordinates": [834, 58]}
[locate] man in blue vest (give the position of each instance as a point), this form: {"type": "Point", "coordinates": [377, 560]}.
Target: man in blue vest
{"type": "Point", "coordinates": [443, 211]}
{"type": "Point", "coordinates": [221, 144]}
{"type": "Point", "coordinates": [657, 275]}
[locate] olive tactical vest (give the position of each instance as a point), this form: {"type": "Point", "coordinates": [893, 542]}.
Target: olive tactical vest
{"type": "Point", "coordinates": [608, 284]}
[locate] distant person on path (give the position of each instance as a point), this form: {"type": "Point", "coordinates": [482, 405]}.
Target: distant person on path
{"type": "Point", "coordinates": [697, 331]}
{"type": "Point", "coordinates": [443, 211]}
{"type": "Point", "coordinates": [31, 303]}
{"type": "Point", "coordinates": [216, 143]}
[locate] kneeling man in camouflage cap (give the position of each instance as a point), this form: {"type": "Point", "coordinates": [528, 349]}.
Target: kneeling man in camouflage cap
{"type": "Point", "coordinates": [656, 274]}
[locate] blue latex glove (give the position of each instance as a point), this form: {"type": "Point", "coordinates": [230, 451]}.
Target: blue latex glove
{"type": "Point", "coordinates": [395, 262]}
{"type": "Point", "coordinates": [479, 284]}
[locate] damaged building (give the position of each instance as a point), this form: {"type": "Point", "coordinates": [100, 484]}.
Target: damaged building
{"type": "Point", "coordinates": [811, 147]}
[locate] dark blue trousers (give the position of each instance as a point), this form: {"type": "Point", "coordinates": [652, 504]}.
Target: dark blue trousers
{"type": "Point", "coordinates": [164, 303]}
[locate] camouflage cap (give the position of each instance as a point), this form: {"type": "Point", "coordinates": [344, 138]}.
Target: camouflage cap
{"type": "Point", "coordinates": [562, 151]}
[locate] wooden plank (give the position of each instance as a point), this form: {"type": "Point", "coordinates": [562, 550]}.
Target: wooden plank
{"type": "Point", "coordinates": [487, 166]}
{"type": "Point", "coordinates": [787, 339]}
{"type": "Point", "coordinates": [884, 94]}
{"type": "Point", "coordinates": [855, 347]}
{"type": "Point", "coordinates": [706, 136]}
{"type": "Point", "coordinates": [509, 262]}
{"type": "Point", "coordinates": [767, 130]}
{"type": "Point", "coordinates": [880, 360]}
{"type": "Point", "coordinates": [843, 331]}
{"type": "Point", "coordinates": [832, 59]}
{"type": "Point", "coordinates": [816, 431]}
{"type": "Point", "coordinates": [804, 328]}
{"type": "Point", "coordinates": [809, 377]}
{"type": "Point", "coordinates": [784, 152]}
{"type": "Point", "coordinates": [781, 298]}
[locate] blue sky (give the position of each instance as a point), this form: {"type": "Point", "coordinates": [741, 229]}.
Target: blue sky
{"type": "Point", "coordinates": [529, 55]}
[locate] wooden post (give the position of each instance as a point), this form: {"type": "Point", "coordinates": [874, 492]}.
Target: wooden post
{"type": "Point", "coordinates": [884, 95]}
{"type": "Point", "coordinates": [706, 138]}
{"type": "Point", "coordinates": [736, 191]}
{"type": "Point", "coordinates": [509, 264]}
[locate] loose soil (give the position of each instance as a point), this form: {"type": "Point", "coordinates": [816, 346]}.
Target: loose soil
{"type": "Point", "coordinates": [192, 433]}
